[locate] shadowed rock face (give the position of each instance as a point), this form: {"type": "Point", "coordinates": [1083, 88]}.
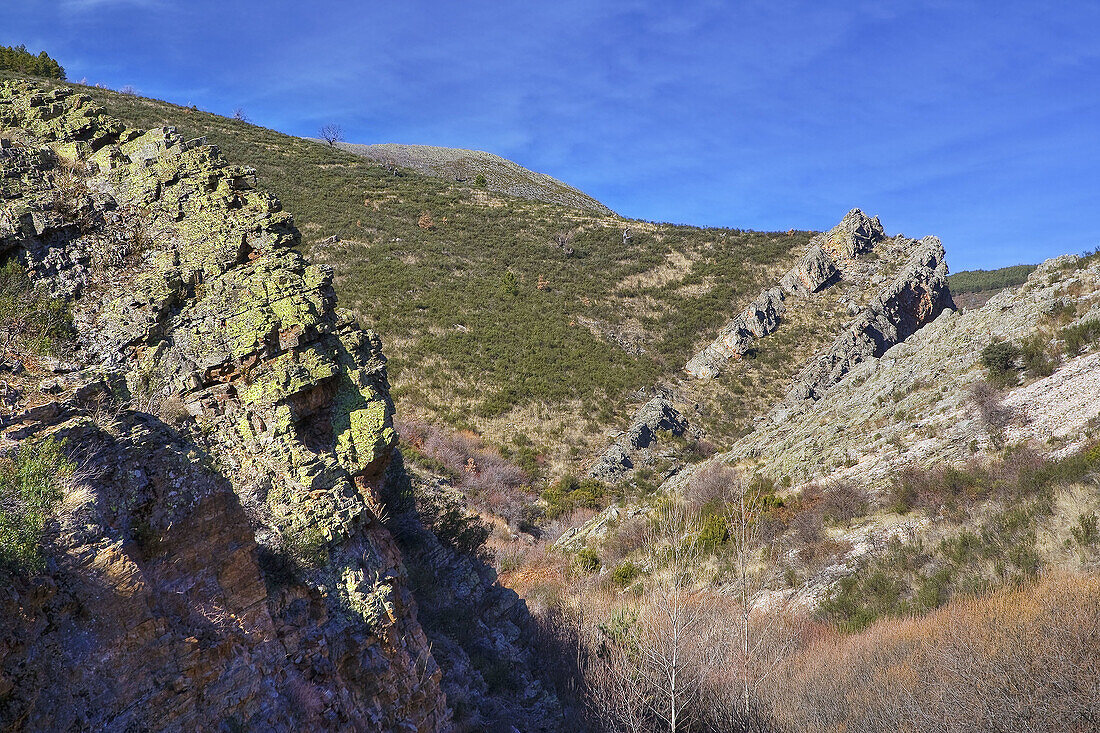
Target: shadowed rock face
{"type": "Point", "coordinates": [231, 567]}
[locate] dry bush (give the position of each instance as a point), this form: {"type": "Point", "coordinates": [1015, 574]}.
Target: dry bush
{"type": "Point", "coordinates": [173, 411]}
{"type": "Point", "coordinates": [1022, 659]}
{"type": "Point", "coordinates": [713, 485]}
{"type": "Point", "coordinates": [994, 413]}
{"type": "Point", "coordinates": [628, 537]}
{"type": "Point", "coordinates": [843, 501]}
{"type": "Point", "coordinates": [490, 482]}
{"type": "Point", "coordinates": [683, 657]}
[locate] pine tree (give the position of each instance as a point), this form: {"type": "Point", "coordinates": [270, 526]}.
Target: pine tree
{"type": "Point", "coordinates": [19, 59]}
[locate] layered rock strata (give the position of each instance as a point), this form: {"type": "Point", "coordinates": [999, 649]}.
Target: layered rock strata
{"type": "Point", "coordinates": [915, 297]}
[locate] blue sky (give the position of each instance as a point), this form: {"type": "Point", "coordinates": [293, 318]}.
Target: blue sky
{"type": "Point", "coordinates": [978, 122]}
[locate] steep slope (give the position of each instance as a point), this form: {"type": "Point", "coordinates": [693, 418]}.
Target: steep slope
{"type": "Point", "coordinates": [221, 553]}
{"type": "Point", "coordinates": [531, 323]}
{"type": "Point", "coordinates": [914, 404]}
{"type": "Point", "coordinates": [501, 175]}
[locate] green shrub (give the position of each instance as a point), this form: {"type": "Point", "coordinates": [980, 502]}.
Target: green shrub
{"type": "Point", "coordinates": [569, 493]}
{"type": "Point", "coordinates": [588, 560]}
{"type": "Point", "coordinates": [713, 532]}
{"type": "Point", "coordinates": [1087, 531]}
{"type": "Point", "coordinates": [625, 574]}
{"type": "Point", "coordinates": [509, 286]}
{"type": "Point", "coordinates": [480, 181]}
{"type": "Point", "coordinates": [1037, 356]}
{"type": "Point", "coordinates": [30, 488]}
{"type": "Point", "coordinates": [30, 320]}
{"type": "Point", "coordinates": [999, 359]}
{"type": "Point", "coordinates": [1080, 336]}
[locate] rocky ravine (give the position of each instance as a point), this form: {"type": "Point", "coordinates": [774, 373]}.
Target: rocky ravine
{"type": "Point", "coordinates": [222, 559]}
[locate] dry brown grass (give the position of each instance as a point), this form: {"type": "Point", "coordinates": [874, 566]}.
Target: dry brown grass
{"type": "Point", "coordinates": [1016, 660]}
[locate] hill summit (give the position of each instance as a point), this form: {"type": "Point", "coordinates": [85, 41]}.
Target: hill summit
{"type": "Point", "coordinates": [501, 175]}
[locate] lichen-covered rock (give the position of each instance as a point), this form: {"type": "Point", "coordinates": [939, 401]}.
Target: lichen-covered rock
{"type": "Point", "coordinates": [258, 510]}
{"type": "Point", "coordinates": [813, 271]}
{"type": "Point", "coordinates": [856, 234]}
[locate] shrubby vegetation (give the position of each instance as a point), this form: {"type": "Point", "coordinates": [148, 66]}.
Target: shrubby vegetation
{"type": "Point", "coordinates": [490, 482]}
{"type": "Point", "coordinates": [484, 311]}
{"type": "Point", "coordinates": [31, 486]}
{"type": "Point", "coordinates": [916, 577]}
{"type": "Point", "coordinates": [19, 59]}
{"type": "Point", "coordinates": [671, 602]}
{"type": "Point", "coordinates": [30, 321]}
{"type": "Point", "coordinates": [978, 281]}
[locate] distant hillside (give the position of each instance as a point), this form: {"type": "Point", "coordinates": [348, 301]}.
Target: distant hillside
{"type": "Point", "coordinates": [974, 288]}
{"type": "Point", "coordinates": [501, 175]}
{"type": "Point", "coordinates": [976, 281]}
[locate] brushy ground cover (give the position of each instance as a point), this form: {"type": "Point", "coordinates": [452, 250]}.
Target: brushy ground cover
{"type": "Point", "coordinates": [30, 321]}
{"type": "Point", "coordinates": [31, 486]}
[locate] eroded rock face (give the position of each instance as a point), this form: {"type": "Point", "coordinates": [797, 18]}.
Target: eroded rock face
{"type": "Point", "coordinates": [856, 234]}
{"type": "Point", "coordinates": [758, 319]}
{"type": "Point", "coordinates": [831, 257]}
{"type": "Point", "coordinates": [636, 446]}
{"type": "Point", "coordinates": [916, 296]}
{"type": "Point", "coordinates": [813, 272]}
{"type": "Point", "coordinates": [232, 566]}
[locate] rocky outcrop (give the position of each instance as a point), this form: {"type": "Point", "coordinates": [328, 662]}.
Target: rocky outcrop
{"type": "Point", "coordinates": [636, 446]}
{"type": "Point", "coordinates": [816, 269]}
{"type": "Point", "coordinates": [229, 563]}
{"type": "Point", "coordinates": [915, 404]}
{"type": "Point", "coordinates": [856, 234]}
{"type": "Point", "coordinates": [758, 319]}
{"type": "Point", "coordinates": [914, 298]}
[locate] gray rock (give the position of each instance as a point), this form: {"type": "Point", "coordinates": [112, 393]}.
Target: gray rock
{"type": "Point", "coordinates": [813, 271]}
{"type": "Point", "coordinates": [915, 297]}
{"type": "Point", "coordinates": [635, 446]}
{"type": "Point", "coordinates": [854, 235]}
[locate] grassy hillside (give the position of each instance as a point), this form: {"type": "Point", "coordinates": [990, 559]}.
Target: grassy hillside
{"type": "Point", "coordinates": [524, 320]}
{"type": "Point", "coordinates": [484, 170]}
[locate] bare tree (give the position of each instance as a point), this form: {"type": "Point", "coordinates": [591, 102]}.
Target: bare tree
{"type": "Point", "coordinates": [332, 134]}
{"type": "Point", "coordinates": [657, 658]}
{"type": "Point", "coordinates": [764, 633]}
{"type": "Point", "coordinates": [240, 116]}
